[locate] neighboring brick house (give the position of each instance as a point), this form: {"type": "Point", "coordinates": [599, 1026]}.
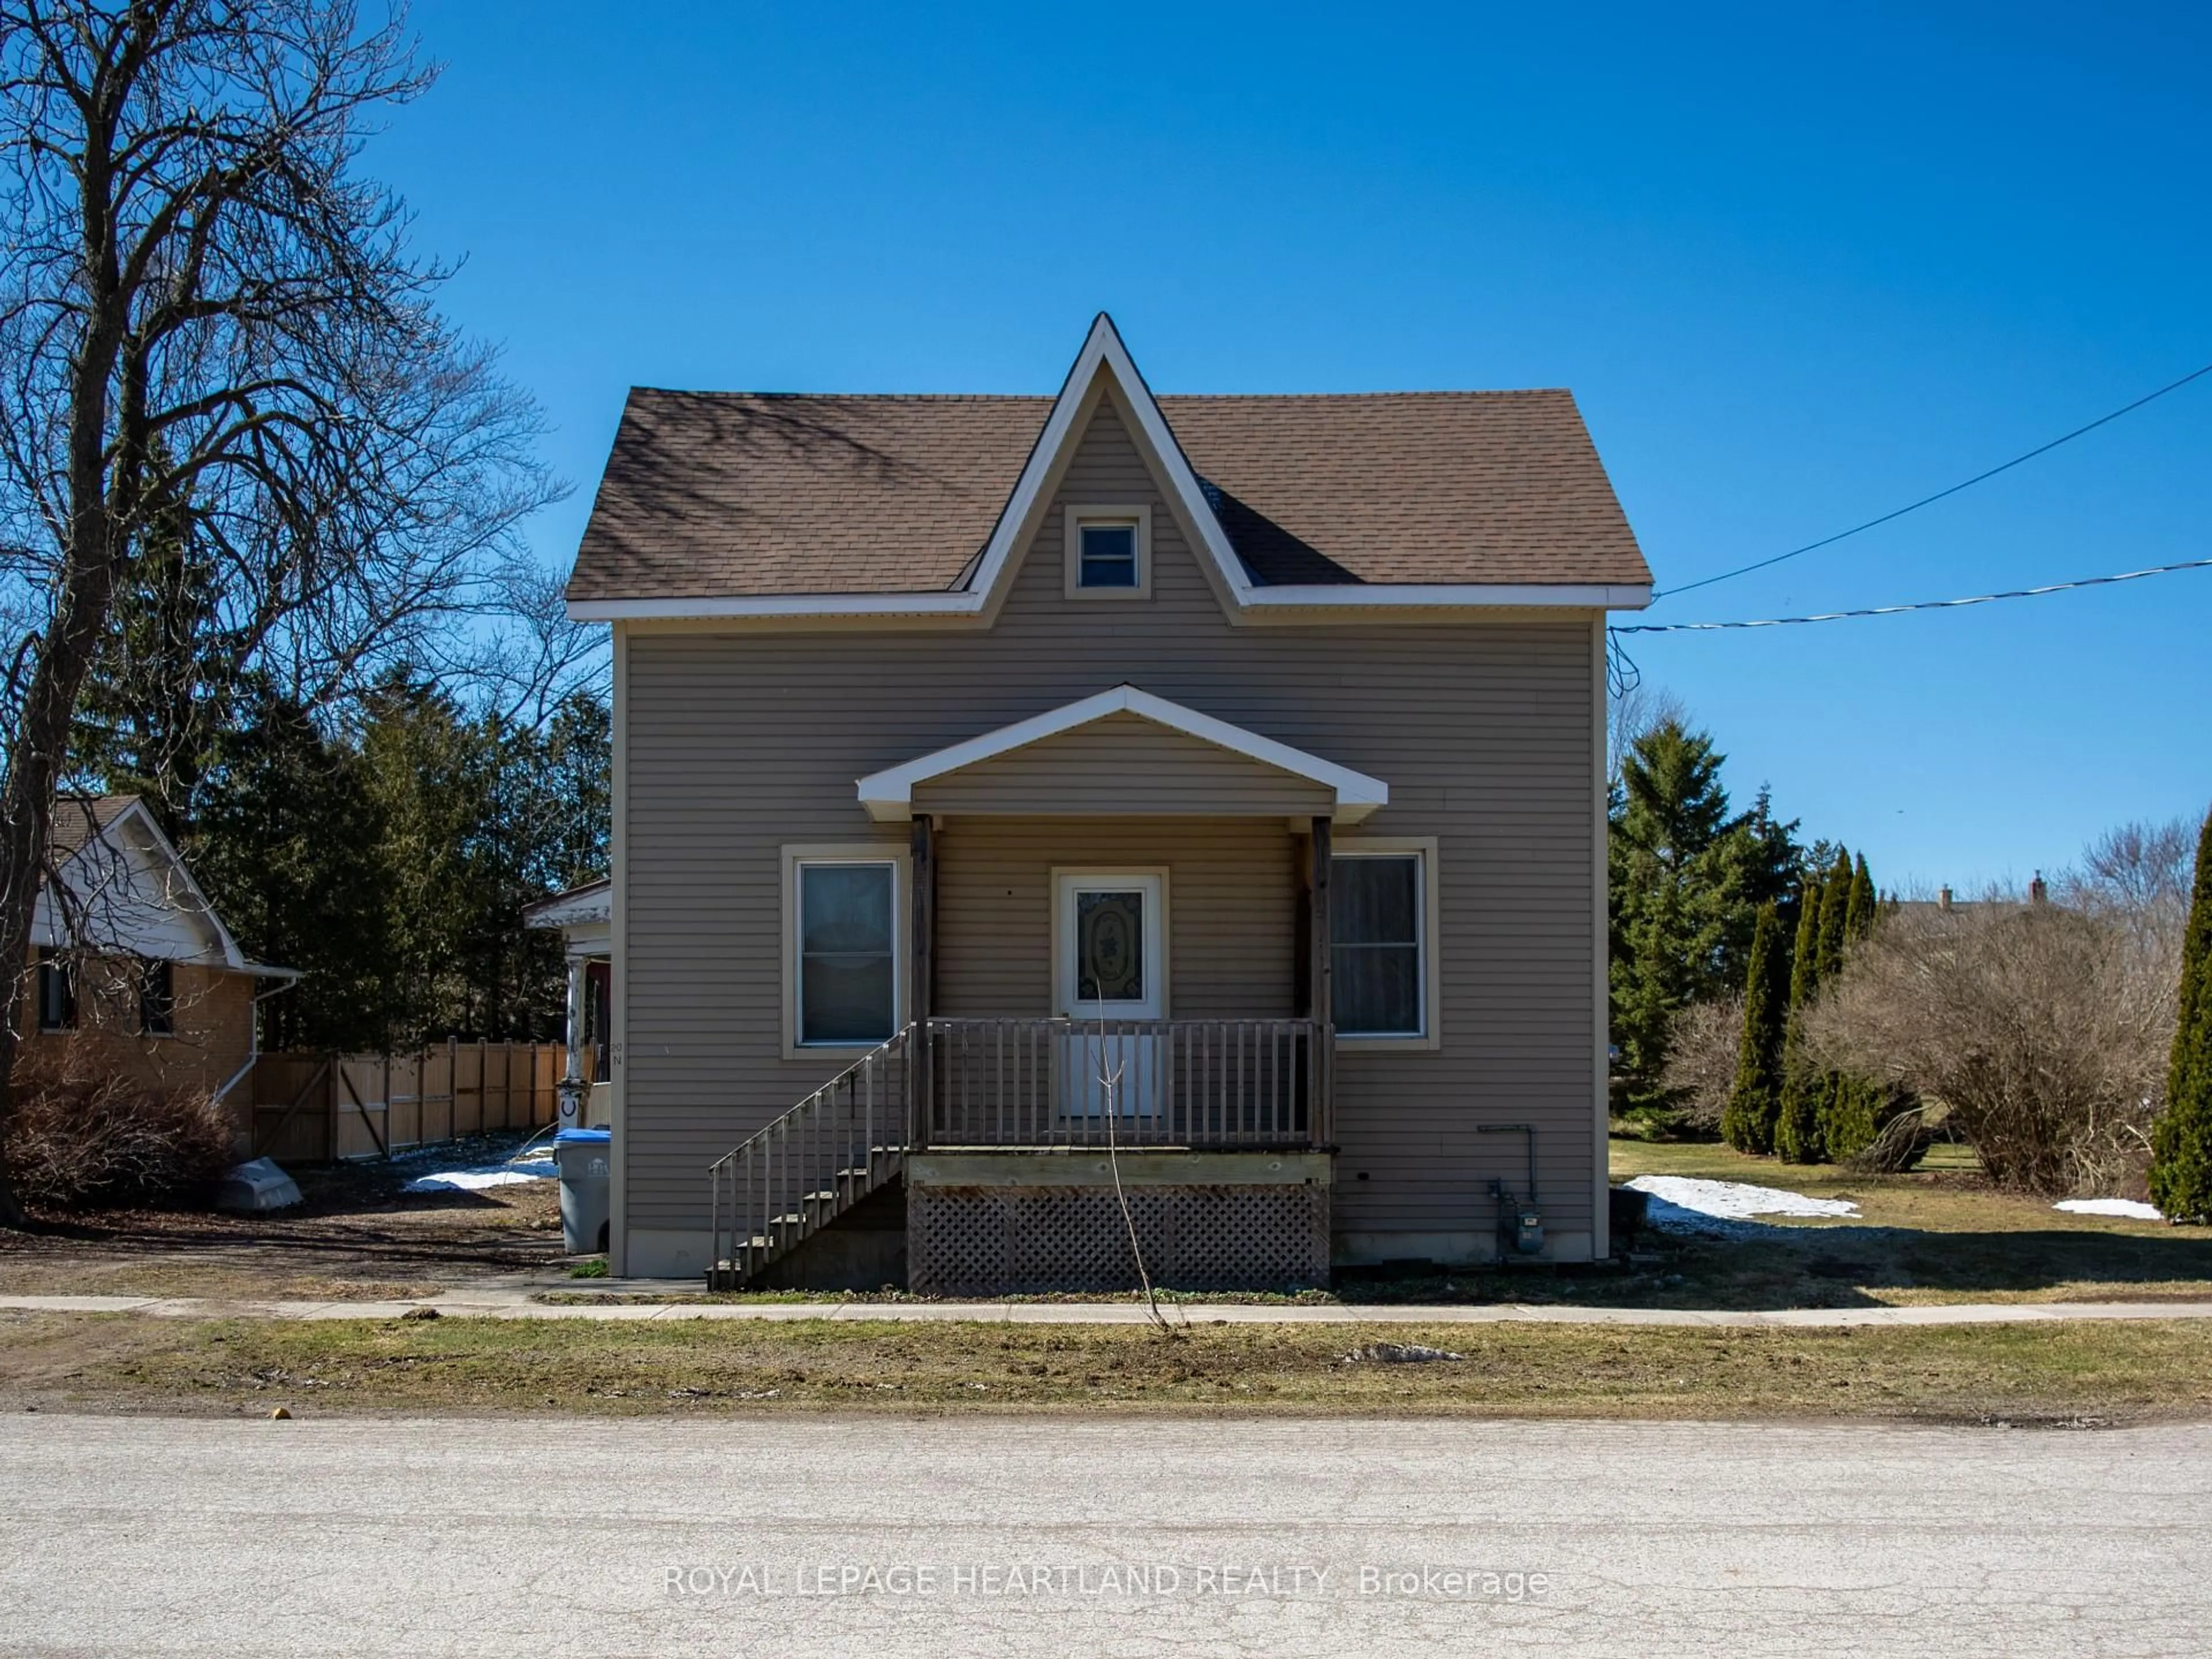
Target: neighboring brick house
{"type": "Point", "coordinates": [1222, 778]}
{"type": "Point", "coordinates": [131, 968]}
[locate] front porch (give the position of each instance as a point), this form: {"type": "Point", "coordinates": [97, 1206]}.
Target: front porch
{"type": "Point", "coordinates": [1116, 938]}
{"type": "Point", "coordinates": [1018, 1142]}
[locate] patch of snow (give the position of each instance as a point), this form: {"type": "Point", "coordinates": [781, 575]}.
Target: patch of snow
{"type": "Point", "coordinates": [538, 1166]}
{"type": "Point", "coordinates": [2128, 1207]}
{"type": "Point", "coordinates": [1681, 1204]}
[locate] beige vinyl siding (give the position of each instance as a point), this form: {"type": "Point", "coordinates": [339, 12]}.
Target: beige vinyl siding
{"type": "Point", "coordinates": [737, 744]}
{"type": "Point", "coordinates": [1124, 764]}
{"type": "Point", "coordinates": [1232, 910]}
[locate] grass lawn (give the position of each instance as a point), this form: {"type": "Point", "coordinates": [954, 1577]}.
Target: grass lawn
{"type": "Point", "coordinates": [2017, 1374]}
{"type": "Point", "coordinates": [1936, 1235]}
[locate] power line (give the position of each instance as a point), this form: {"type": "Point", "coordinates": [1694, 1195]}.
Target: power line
{"type": "Point", "coordinates": [1927, 500]}
{"type": "Point", "coordinates": [1924, 605]}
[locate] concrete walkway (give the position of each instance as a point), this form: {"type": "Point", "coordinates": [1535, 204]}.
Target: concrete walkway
{"type": "Point", "coordinates": [518, 1302]}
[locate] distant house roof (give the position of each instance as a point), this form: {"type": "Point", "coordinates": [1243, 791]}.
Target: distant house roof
{"type": "Point", "coordinates": [77, 819]}
{"type": "Point", "coordinates": [758, 494]}
{"type": "Point", "coordinates": [593, 901]}
{"type": "Point", "coordinates": [124, 889]}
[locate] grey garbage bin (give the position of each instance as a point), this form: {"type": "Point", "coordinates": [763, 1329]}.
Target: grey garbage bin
{"type": "Point", "coordinates": [583, 1155]}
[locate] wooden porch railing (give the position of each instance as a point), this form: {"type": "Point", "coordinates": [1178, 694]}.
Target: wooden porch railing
{"type": "Point", "coordinates": [1212, 1084]}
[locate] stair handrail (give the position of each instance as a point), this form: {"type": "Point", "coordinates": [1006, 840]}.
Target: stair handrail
{"type": "Point", "coordinates": [804, 1167]}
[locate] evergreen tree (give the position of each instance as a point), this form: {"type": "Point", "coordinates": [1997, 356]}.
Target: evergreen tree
{"type": "Point", "coordinates": [1859, 918]}
{"type": "Point", "coordinates": [2181, 1159]}
{"type": "Point", "coordinates": [1747, 1123]}
{"type": "Point", "coordinates": [1687, 879]}
{"type": "Point", "coordinates": [1797, 1125]}
{"type": "Point", "coordinates": [1835, 913]}
{"type": "Point", "coordinates": [1855, 1107]}
{"type": "Point", "coordinates": [167, 678]}
{"type": "Point", "coordinates": [1805, 955]}
{"type": "Point", "coordinates": [1804, 1086]}
{"type": "Point", "coordinates": [288, 848]}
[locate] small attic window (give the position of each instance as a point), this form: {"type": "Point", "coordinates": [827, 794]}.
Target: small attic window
{"type": "Point", "coordinates": [1108, 558]}
{"type": "Point", "coordinates": [1108, 552]}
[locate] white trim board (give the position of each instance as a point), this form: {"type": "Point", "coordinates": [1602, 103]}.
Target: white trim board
{"type": "Point", "coordinates": [887, 795]}
{"type": "Point", "coordinates": [1104, 354]}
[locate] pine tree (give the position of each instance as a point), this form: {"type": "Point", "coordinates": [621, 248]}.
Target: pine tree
{"type": "Point", "coordinates": [288, 845]}
{"type": "Point", "coordinates": [2181, 1156]}
{"type": "Point", "coordinates": [1672, 852]}
{"type": "Point", "coordinates": [1747, 1121]}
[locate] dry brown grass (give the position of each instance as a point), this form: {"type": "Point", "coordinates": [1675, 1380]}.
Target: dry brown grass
{"type": "Point", "coordinates": [2018, 1373]}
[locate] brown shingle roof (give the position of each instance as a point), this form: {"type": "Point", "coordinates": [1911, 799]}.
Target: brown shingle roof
{"type": "Point", "coordinates": [78, 818]}
{"type": "Point", "coordinates": [735, 494]}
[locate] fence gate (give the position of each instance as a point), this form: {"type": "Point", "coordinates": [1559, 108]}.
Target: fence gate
{"type": "Point", "coordinates": [319, 1108]}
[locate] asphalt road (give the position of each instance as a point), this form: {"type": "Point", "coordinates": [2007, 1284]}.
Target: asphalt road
{"type": "Point", "coordinates": [885, 1537]}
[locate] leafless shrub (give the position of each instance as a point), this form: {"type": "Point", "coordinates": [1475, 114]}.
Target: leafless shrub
{"type": "Point", "coordinates": [1632, 711]}
{"type": "Point", "coordinates": [2043, 1027]}
{"type": "Point", "coordinates": [2139, 876]}
{"type": "Point", "coordinates": [85, 1136]}
{"type": "Point", "coordinates": [1900, 1143]}
{"type": "Point", "coordinates": [1701, 1058]}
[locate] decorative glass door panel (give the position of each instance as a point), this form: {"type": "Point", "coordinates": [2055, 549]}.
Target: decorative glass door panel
{"type": "Point", "coordinates": [1110, 945]}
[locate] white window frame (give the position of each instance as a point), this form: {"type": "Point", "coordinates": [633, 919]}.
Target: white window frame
{"type": "Point", "coordinates": [902, 862]}
{"type": "Point", "coordinates": [1141, 518]}
{"type": "Point", "coordinates": [1428, 936]}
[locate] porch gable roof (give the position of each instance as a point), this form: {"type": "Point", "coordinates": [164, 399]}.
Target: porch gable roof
{"type": "Point", "coordinates": [888, 795]}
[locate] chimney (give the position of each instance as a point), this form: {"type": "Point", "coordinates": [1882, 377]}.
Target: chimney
{"type": "Point", "coordinates": [2037, 893]}
{"type": "Point", "coordinates": [1943, 899]}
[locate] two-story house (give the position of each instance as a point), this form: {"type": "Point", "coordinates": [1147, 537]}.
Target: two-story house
{"type": "Point", "coordinates": [1041, 816]}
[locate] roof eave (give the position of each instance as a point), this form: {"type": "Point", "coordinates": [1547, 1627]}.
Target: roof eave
{"type": "Point", "coordinates": [1364, 596]}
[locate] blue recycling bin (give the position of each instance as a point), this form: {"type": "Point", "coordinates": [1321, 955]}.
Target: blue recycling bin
{"type": "Point", "coordinates": [584, 1155]}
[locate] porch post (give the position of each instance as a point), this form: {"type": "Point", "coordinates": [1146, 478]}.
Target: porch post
{"type": "Point", "coordinates": [573, 1086]}
{"type": "Point", "coordinates": [1322, 1114]}
{"type": "Point", "coordinates": [921, 972]}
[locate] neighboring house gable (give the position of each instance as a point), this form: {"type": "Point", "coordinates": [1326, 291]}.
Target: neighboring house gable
{"type": "Point", "coordinates": [125, 892]}
{"type": "Point", "coordinates": [137, 974]}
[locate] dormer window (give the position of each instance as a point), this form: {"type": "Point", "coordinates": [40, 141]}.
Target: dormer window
{"type": "Point", "coordinates": [1110, 552]}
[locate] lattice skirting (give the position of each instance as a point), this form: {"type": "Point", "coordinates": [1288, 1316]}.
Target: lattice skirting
{"type": "Point", "coordinates": [992, 1241]}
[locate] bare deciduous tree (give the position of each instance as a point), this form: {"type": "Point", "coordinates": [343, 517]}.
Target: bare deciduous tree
{"type": "Point", "coordinates": [2043, 1027]}
{"type": "Point", "coordinates": [1701, 1059]}
{"type": "Point", "coordinates": [1632, 711]}
{"type": "Point", "coordinates": [209, 322]}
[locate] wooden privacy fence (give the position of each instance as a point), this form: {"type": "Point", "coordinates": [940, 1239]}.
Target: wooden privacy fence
{"type": "Point", "coordinates": [320, 1108]}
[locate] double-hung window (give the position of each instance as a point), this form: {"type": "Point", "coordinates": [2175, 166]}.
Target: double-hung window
{"type": "Point", "coordinates": [57, 993]}
{"type": "Point", "coordinates": [1382, 982]}
{"type": "Point", "coordinates": [844, 941]}
{"type": "Point", "coordinates": [157, 999]}
{"type": "Point", "coordinates": [1110, 552]}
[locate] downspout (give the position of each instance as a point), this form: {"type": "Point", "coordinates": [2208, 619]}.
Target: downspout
{"type": "Point", "coordinates": [254, 1037]}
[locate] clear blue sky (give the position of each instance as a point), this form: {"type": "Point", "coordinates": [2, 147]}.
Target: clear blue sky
{"type": "Point", "coordinates": [1800, 266]}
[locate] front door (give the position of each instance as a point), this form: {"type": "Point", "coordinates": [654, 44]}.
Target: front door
{"type": "Point", "coordinates": [1111, 966]}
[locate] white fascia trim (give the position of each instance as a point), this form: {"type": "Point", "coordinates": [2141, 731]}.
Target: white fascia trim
{"type": "Point", "coordinates": [1454, 595]}
{"type": "Point", "coordinates": [887, 795]}
{"type": "Point", "coordinates": [1343, 596]}
{"type": "Point", "coordinates": [777, 605]}
{"type": "Point", "coordinates": [233, 957]}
